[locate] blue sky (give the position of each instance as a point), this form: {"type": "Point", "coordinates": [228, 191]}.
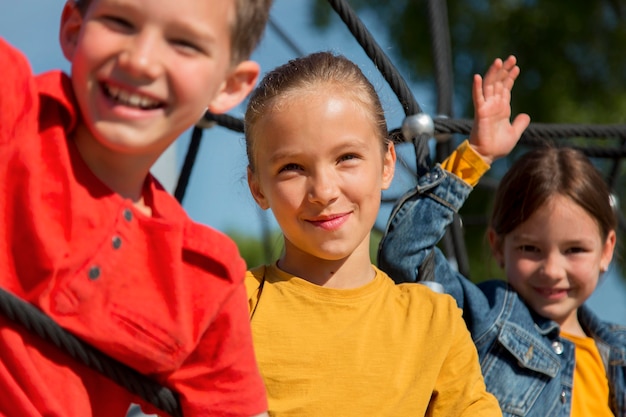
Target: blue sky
{"type": "Point", "coordinates": [217, 194]}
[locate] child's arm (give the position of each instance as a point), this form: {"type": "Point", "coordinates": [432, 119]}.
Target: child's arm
{"type": "Point", "coordinates": [420, 217]}
{"type": "Point", "coordinates": [16, 94]}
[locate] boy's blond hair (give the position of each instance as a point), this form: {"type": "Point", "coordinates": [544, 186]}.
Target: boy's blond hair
{"type": "Point", "coordinates": [250, 19]}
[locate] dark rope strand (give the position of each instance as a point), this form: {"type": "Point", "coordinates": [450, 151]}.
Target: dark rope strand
{"type": "Point", "coordinates": [190, 159]}
{"type": "Point", "coordinates": [540, 130]}
{"type": "Point", "coordinates": [36, 321]}
{"type": "Point", "coordinates": [377, 55]}
{"type": "Point", "coordinates": [453, 240]}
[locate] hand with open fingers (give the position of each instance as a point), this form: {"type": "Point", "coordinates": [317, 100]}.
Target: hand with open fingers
{"type": "Point", "coordinates": [493, 135]}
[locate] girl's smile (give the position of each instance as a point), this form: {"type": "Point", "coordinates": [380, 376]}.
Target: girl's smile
{"type": "Point", "coordinates": [554, 259]}
{"type": "Point", "coordinates": [332, 222]}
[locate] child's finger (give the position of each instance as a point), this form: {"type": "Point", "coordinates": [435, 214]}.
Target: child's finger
{"type": "Point", "coordinates": [509, 63]}
{"type": "Point", "coordinates": [520, 123]}
{"type": "Point", "coordinates": [494, 72]}
{"type": "Point", "coordinates": [477, 91]}
{"type": "Point", "coordinates": [511, 77]}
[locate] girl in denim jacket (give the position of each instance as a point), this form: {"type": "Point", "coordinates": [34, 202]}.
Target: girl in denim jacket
{"type": "Point", "coordinates": [542, 351]}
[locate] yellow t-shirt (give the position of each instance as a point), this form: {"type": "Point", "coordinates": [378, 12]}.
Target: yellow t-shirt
{"type": "Point", "coordinates": [590, 393]}
{"type": "Point", "coordinates": [377, 350]}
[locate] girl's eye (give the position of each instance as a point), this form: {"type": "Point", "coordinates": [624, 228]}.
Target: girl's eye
{"type": "Point", "coordinates": [529, 248]}
{"type": "Point", "coordinates": [289, 167]}
{"type": "Point", "coordinates": [348, 157]}
{"type": "Point", "coordinates": [576, 250]}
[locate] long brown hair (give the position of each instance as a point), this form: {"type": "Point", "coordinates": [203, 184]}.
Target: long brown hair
{"type": "Point", "coordinates": [542, 173]}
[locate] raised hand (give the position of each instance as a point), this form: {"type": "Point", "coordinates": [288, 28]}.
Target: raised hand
{"type": "Point", "coordinates": [493, 135]}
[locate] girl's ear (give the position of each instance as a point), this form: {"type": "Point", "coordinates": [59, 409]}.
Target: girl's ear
{"type": "Point", "coordinates": [69, 30]}
{"type": "Point", "coordinates": [607, 251]}
{"type": "Point", "coordinates": [389, 165]}
{"type": "Point", "coordinates": [496, 246]}
{"type": "Point", "coordinates": [255, 189]}
{"type": "Point", "coordinates": [235, 88]}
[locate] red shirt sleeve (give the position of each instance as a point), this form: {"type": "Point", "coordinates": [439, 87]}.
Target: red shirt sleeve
{"type": "Point", "coordinates": [17, 93]}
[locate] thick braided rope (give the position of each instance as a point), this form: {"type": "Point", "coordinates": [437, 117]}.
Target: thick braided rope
{"type": "Point", "coordinates": [37, 322]}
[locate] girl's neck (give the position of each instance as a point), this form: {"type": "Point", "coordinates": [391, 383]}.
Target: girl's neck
{"type": "Point", "coordinates": [351, 272]}
{"type": "Point", "coordinates": [572, 326]}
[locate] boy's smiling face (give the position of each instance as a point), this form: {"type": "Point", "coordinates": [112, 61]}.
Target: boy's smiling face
{"type": "Point", "coordinates": [145, 71]}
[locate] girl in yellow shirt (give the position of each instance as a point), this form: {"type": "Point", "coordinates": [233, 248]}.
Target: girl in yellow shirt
{"type": "Point", "coordinates": [333, 334]}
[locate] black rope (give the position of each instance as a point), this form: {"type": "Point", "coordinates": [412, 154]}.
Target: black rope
{"type": "Point", "coordinates": [453, 241]}
{"type": "Point", "coordinates": [190, 160]}
{"type": "Point", "coordinates": [377, 55]}
{"type": "Point", "coordinates": [540, 130]}
{"type": "Point", "coordinates": [233, 123]}
{"type": "Point", "coordinates": [36, 321]}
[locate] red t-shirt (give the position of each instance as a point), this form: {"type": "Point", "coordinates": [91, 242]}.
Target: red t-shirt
{"type": "Point", "coordinates": [161, 294]}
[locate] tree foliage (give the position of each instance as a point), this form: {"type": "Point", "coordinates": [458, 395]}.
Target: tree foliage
{"type": "Point", "coordinates": [570, 53]}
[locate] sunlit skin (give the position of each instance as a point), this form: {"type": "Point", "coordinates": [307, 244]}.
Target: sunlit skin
{"type": "Point", "coordinates": [554, 260]}
{"type": "Point", "coordinates": [143, 73]}
{"type": "Point", "coordinates": [321, 169]}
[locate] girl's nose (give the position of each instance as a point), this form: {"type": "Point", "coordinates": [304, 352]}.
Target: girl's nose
{"type": "Point", "coordinates": [323, 187]}
{"type": "Point", "coordinates": [553, 267]}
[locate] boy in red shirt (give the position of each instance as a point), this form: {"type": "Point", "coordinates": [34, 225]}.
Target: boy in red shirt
{"type": "Point", "coordinates": [92, 239]}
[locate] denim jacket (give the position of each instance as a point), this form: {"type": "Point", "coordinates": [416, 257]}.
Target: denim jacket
{"type": "Point", "coordinates": [526, 365]}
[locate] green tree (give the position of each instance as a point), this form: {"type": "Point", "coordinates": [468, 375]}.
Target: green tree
{"type": "Point", "coordinates": [570, 53]}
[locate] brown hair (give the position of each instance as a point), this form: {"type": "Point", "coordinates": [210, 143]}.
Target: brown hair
{"type": "Point", "coordinates": [308, 73]}
{"type": "Point", "coordinates": [250, 19]}
{"type": "Point", "coordinates": [542, 173]}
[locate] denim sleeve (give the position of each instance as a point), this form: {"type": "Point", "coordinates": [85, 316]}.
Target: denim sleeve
{"type": "Point", "coordinates": [417, 222]}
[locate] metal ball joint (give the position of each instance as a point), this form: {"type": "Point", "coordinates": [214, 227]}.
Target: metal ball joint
{"type": "Point", "coordinates": [419, 124]}
{"type": "Point", "coordinates": [614, 202]}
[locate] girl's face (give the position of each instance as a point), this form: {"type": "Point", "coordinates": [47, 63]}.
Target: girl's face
{"type": "Point", "coordinates": [554, 259]}
{"type": "Point", "coordinates": [321, 169]}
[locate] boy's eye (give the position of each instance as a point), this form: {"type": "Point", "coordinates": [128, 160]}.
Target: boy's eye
{"type": "Point", "coordinates": [187, 46]}
{"type": "Point", "coordinates": [118, 22]}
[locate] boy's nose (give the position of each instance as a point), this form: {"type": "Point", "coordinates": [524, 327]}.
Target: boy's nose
{"type": "Point", "coordinates": [141, 57]}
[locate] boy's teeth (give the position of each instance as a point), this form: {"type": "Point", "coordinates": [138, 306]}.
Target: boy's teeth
{"type": "Point", "coordinates": [130, 99]}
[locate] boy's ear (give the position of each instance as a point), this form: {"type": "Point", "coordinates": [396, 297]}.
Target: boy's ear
{"type": "Point", "coordinates": [389, 165]}
{"type": "Point", "coordinates": [238, 84]}
{"type": "Point", "coordinates": [496, 246]}
{"type": "Point", "coordinates": [255, 189]}
{"type": "Point", "coordinates": [69, 30]}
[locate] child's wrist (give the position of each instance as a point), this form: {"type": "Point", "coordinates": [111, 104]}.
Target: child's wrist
{"type": "Point", "coordinates": [488, 159]}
